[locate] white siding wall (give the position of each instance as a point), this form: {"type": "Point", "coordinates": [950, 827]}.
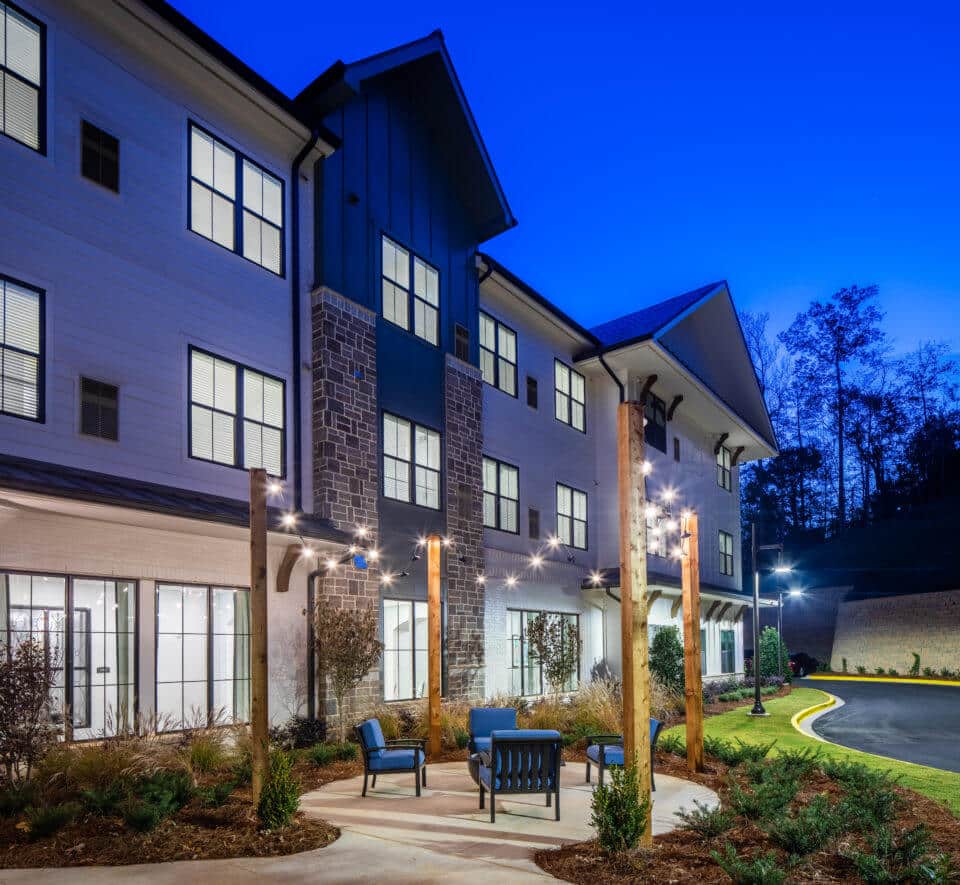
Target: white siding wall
{"type": "Point", "coordinates": [128, 286]}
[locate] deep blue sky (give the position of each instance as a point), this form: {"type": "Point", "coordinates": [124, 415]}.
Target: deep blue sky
{"type": "Point", "coordinates": [646, 152]}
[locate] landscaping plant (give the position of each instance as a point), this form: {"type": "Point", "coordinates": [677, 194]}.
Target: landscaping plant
{"type": "Point", "coordinates": [904, 856]}
{"type": "Point", "coordinates": [706, 821]}
{"type": "Point", "coordinates": [772, 648]}
{"type": "Point", "coordinates": [280, 795]}
{"type": "Point", "coordinates": [808, 829]}
{"type": "Point", "coordinates": [666, 657]}
{"type": "Point", "coordinates": [556, 643]}
{"type": "Point", "coordinates": [49, 819]}
{"type": "Point", "coordinates": [761, 870]}
{"type": "Point", "coordinates": [619, 812]}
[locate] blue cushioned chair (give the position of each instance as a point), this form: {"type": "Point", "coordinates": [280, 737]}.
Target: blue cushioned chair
{"type": "Point", "coordinates": [604, 750]}
{"type": "Point", "coordinates": [484, 720]}
{"type": "Point", "coordinates": [521, 761]}
{"type": "Point", "coordinates": [380, 756]}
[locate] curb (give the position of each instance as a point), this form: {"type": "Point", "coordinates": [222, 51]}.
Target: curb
{"type": "Point", "coordinates": [898, 679]}
{"type": "Point", "coordinates": [813, 711]}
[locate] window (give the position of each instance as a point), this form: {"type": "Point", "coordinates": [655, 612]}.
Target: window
{"type": "Point", "coordinates": [533, 524]}
{"type": "Point", "coordinates": [21, 358]}
{"type": "Point", "coordinates": [404, 649]}
{"type": "Point", "coordinates": [395, 288]}
{"type": "Point", "coordinates": [728, 655]}
{"type": "Point", "coordinates": [570, 396]}
{"type": "Point", "coordinates": [498, 354]}
{"type": "Point", "coordinates": [676, 448]}
{"type": "Point", "coordinates": [236, 414]}
{"type": "Point", "coordinates": [98, 409]}
{"type": "Point", "coordinates": [723, 468]}
{"type": "Point", "coordinates": [526, 675]}
{"type": "Point", "coordinates": [95, 684]}
{"type": "Point", "coordinates": [703, 650]}
{"type": "Point", "coordinates": [656, 540]}
{"type": "Point", "coordinates": [501, 495]}
{"type": "Point", "coordinates": [401, 438]}
{"type": "Point", "coordinates": [203, 655]}
{"type": "Point", "coordinates": [22, 90]}
{"type": "Point", "coordinates": [655, 430]}
{"type": "Point", "coordinates": [726, 553]}
{"type": "Point", "coordinates": [461, 343]}
{"type": "Point", "coordinates": [220, 180]}
{"type": "Point", "coordinates": [100, 156]}
{"type": "Point", "coordinates": [571, 517]}
{"type": "Point", "coordinates": [532, 394]}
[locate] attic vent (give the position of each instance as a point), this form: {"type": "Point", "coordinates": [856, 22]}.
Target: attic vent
{"type": "Point", "coordinates": [99, 409]}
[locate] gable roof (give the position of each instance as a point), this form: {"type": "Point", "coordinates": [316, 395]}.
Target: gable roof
{"type": "Point", "coordinates": [440, 89]}
{"type": "Point", "coordinates": [645, 323]}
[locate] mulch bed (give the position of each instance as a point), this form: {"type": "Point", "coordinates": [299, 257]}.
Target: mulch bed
{"type": "Point", "coordinates": [684, 857]}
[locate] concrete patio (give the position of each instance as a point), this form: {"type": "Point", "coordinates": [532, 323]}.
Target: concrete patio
{"type": "Point", "coordinates": [392, 835]}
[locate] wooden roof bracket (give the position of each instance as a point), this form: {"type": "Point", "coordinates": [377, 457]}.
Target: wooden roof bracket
{"type": "Point", "coordinates": [737, 452]}
{"type": "Point", "coordinates": [673, 406]}
{"type": "Point", "coordinates": [647, 384]}
{"type": "Point", "coordinates": [676, 606]}
{"type": "Point", "coordinates": [290, 557]}
{"type": "Point", "coordinates": [653, 596]}
{"type": "Point", "coordinates": [740, 614]}
{"type": "Point", "coordinates": [723, 611]}
{"type": "Point", "coordinates": [711, 610]}
{"type": "Point", "coordinates": [723, 438]}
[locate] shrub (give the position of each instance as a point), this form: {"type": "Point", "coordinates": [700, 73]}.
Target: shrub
{"type": "Point", "coordinates": [666, 657]}
{"type": "Point", "coordinates": [808, 829]}
{"type": "Point", "coordinates": [734, 754]}
{"type": "Point", "coordinates": [765, 801]}
{"type": "Point", "coordinates": [772, 649]}
{"type": "Point", "coordinates": [915, 666]}
{"type": "Point", "coordinates": [906, 856]}
{"type": "Point", "coordinates": [166, 791]}
{"type": "Point", "coordinates": [322, 754]}
{"type": "Point", "coordinates": [844, 665]}
{"type": "Point", "coordinates": [49, 819]}
{"type": "Point", "coordinates": [217, 794]}
{"type": "Point", "coordinates": [207, 752]}
{"type": "Point", "coordinates": [104, 800]}
{"type": "Point", "coordinates": [299, 733]}
{"type": "Point", "coordinates": [762, 870]}
{"type": "Point", "coordinates": [879, 671]}
{"type": "Point", "coordinates": [928, 672]}
{"type": "Point", "coordinates": [672, 743]}
{"type": "Point", "coordinates": [619, 812]}
{"type": "Point", "coordinates": [557, 646]}
{"type": "Point", "coordinates": [243, 768]}
{"type": "Point", "coordinates": [706, 821]}
{"type": "Point", "coordinates": [861, 670]}
{"type": "Point", "coordinates": [280, 795]}
{"type": "Point", "coordinates": [893, 672]}
{"type": "Point", "coordinates": [946, 674]}
{"type": "Point", "coordinates": [869, 809]}
{"type": "Point", "coordinates": [141, 816]}
{"type": "Point", "coordinates": [795, 764]}
{"type": "Point", "coordinates": [348, 752]}
{"type": "Point", "coordinates": [462, 738]}
{"type": "Point", "coordinates": [14, 798]}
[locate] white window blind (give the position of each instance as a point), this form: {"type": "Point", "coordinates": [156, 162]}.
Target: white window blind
{"type": "Point", "coordinates": [21, 53]}
{"type": "Point", "coordinates": [20, 350]}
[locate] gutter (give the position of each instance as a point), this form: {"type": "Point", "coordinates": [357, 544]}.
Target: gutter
{"type": "Point", "coordinates": [295, 316]}
{"type": "Point", "coordinates": [616, 380]}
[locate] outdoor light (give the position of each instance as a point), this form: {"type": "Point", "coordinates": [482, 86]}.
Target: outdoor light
{"type": "Point", "coordinates": [386, 578]}
{"type": "Point", "coordinates": [795, 593]}
{"type": "Point", "coordinates": [668, 494]}
{"type": "Point", "coordinates": [677, 552]}
{"type": "Point", "coordinates": [352, 549]}
{"type": "Point", "coordinates": [289, 520]}
{"type": "Point", "coordinates": [646, 468]}
{"type": "Point", "coordinates": [446, 542]}
{"type": "Point", "coordinates": [671, 525]}
{"type": "Point", "coordinates": [481, 580]}
{"type": "Point", "coordinates": [307, 552]}
{"type": "Point", "coordinates": [536, 560]}
{"type": "Point", "coordinates": [686, 514]}
{"type": "Point", "coordinates": [373, 555]}
{"type": "Point", "coordinates": [553, 541]}
{"type": "Point", "coordinates": [650, 511]}
{"type": "Point", "coordinates": [511, 581]}
{"type": "Point", "coordinates": [361, 531]}
{"type": "Point", "coordinates": [783, 570]}
{"type": "Point", "coordinates": [421, 541]}
{"type": "Point", "coordinates": [596, 579]}
{"type": "Point", "coordinates": [331, 564]}
{"type": "Point", "coordinates": [656, 531]}
{"type": "Point", "coordinates": [274, 488]}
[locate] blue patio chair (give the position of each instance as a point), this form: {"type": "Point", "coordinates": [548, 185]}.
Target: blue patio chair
{"type": "Point", "coordinates": [380, 756]}
{"type": "Point", "coordinates": [484, 720]}
{"type": "Point", "coordinates": [605, 750]}
{"type": "Point", "coordinates": [521, 761]}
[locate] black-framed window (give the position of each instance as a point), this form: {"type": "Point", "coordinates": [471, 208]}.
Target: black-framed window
{"type": "Point", "coordinates": [21, 350]}
{"type": "Point", "coordinates": [676, 448]}
{"type": "Point", "coordinates": [533, 396]}
{"type": "Point", "coordinates": [237, 414]}
{"type": "Point", "coordinates": [411, 462]}
{"type": "Point", "coordinates": [728, 652]}
{"type": "Point", "coordinates": [223, 179]}
{"type": "Point", "coordinates": [501, 496]}
{"type": "Point", "coordinates": [400, 300]}
{"type": "Point", "coordinates": [570, 396]}
{"type": "Point", "coordinates": [571, 516]}
{"type": "Point", "coordinates": [726, 552]}
{"type": "Point", "coordinates": [526, 673]}
{"type": "Point", "coordinates": [202, 655]}
{"type": "Point", "coordinates": [404, 649]}
{"type": "Point", "coordinates": [99, 156]}
{"type": "Point", "coordinates": [498, 354]}
{"type": "Point", "coordinates": [22, 77]}
{"type": "Point", "coordinates": [88, 626]}
{"type": "Point", "coordinates": [724, 478]}
{"type": "Point", "coordinates": [99, 409]}
{"type": "Point", "coordinates": [533, 524]}
{"type": "Point", "coordinates": [461, 342]}
{"type": "Point", "coordinates": [655, 430]}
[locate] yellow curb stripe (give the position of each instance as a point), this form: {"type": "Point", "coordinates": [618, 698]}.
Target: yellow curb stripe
{"type": "Point", "coordinates": [902, 679]}
{"type": "Point", "coordinates": [810, 711]}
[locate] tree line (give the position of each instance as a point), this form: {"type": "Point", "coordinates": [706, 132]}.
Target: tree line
{"type": "Point", "coordinates": [864, 433]}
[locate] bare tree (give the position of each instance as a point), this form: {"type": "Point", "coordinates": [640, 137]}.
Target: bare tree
{"type": "Point", "coordinates": [348, 648]}
{"type": "Point", "coordinates": [931, 373]}
{"type": "Point", "coordinates": [557, 645]}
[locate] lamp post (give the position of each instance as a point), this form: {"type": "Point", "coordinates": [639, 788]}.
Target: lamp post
{"type": "Point", "coordinates": [754, 549]}
{"type": "Point", "coordinates": [795, 594]}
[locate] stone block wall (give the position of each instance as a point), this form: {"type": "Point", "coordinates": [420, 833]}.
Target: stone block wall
{"type": "Point", "coordinates": [463, 433]}
{"type": "Point", "coordinates": [345, 440]}
{"type": "Point", "coordinates": [885, 632]}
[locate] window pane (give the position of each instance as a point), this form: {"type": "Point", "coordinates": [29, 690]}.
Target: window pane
{"type": "Point", "coordinates": [21, 111]}
{"type": "Point", "coordinates": [508, 515]}
{"type": "Point", "coordinates": [508, 381]}
{"type": "Point", "coordinates": [224, 169]}
{"type": "Point", "coordinates": [201, 432]}
{"type": "Point", "coordinates": [563, 529]}
{"type": "Point", "coordinates": [561, 406]}
{"type": "Point", "coordinates": [576, 416]}
{"type": "Point", "coordinates": [490, 510]}
{"type": "Point", "coordinates": [251, 237]}
{"type": "Point", "coordinates": [579, 534]}
{"type": "Point", "coordinates": [425, 282]}
{"type": "Point", "coordinates": [20, 317]}
{"type": "Point", "coordinates": [562, 377]}
{"type": "Point", "coordinates": [508, 344]}
{"type": "Point", "coordinates": [427, 488]}
{"type": "Point", "coordinates": [579, 506]}
{"type": "Point", "coordinates": [577, 387]}
{"type": "Point", "coordinates": [270, 256]}
{"type": "Point", "coordinates": [223, 441]}
{"type": "Point", "coordinates": [488, 332]}
{"type": "Point", "coordinates": [489, 475]}
{"type": "Point", "coordinates": [201, 210]}
{"type": "Point", "coordinates": [252, 395]}
{"type": "Point", "coordinates": [201, 156]}
{"type": "Point", "coordinates": [487, 366]}
{"type": "Point", "coordinates": [395, 304]}
{"type": "Point", "coordinates": [564, 505]}
{"type": "Point", "coordinates": [252, 188]}
{"type": "Point", "coordinates": [222, 221]}
{"type": "Point", "coordinates": [508, 481]}
{"type": "Point", "coordinates": [273, 200]}
{"type": "Point", "coordinates": [20, 383]}
{"type": "Point", "coordinates": [396, 263]}
{"type": "Point", "coordinates": [23, 46]}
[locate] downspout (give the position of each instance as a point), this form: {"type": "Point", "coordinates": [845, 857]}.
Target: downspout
{"type": "Point", "coordinates": [616, 380]}
{"type": "Point", "coordinates": [295, 311]}
{"type": "Point", "coordinates": [311, 648]}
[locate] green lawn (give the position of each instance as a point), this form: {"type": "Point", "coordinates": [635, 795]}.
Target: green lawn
{"type": "Point", "coordinates": [944, 786]}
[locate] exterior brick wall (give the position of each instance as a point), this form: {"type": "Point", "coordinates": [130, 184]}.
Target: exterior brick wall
{"type": "Point", "coordinates": [463, 431]}
{"type": "Point", "coordinates": [345, 473]}
{"type": "Point", "coordinates": [885, 632]}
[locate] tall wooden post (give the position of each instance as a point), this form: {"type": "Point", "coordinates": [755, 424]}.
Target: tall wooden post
{"type": "Point", "coordinates": [259, 717]}
{"type": "Point", "coordinates": [690, 577]}
{"type": "Point", "coordinates": [433, 643]}
{"type": "Point", "coordinates": [633, 597]}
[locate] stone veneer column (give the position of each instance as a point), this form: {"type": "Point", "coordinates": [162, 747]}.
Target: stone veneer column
{"type": "Point", "coordinates": [463, 434]}
{"type": "Point", "coordinates": [345, 435]}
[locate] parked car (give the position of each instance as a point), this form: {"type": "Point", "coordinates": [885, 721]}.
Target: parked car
{"type": "Point", "coordinates": [803, 663]}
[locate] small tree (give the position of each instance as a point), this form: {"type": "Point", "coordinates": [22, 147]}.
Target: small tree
{"type": "Point", "coordinates": [620, 811]}
{"type": "Point", "coordinates": [557, 646]}
{"type": "Point", "coordinates": [666, 657]}
{"type": "Point", "coordinates": [348, 647]}
{"type": "Point", "coordinates": [27, 676]}
{"type": "Point", "coordinates": [770, 648]}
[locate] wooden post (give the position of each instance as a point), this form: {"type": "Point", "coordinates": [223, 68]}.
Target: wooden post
{"type": "Point", "coordinates": [690, 576]}
{"type": "Point", "coordinates": [433, 643]}
{"type": "Point", "coordinates": [259, 717]}
{"type": "Point", "coordinates": [633, 598]}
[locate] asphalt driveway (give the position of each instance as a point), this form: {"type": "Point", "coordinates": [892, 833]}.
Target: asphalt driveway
{"type": "Point", "coordinates": [914, 723]}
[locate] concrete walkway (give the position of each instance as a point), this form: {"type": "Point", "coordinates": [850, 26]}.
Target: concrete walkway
{"type": "Point", "coordinates": [393, 836]}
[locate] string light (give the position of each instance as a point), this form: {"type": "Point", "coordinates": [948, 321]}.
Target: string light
{"type": "Point", "coordinates": [386, 578]}
{"type": "Point", "coordinates": [553, 542]}
{"type": "Point", "coordinates": [373, 555]}
{"type": "Point", "coordinates": [274, 488]}
{"type": "Point", "coordinates": [446, 542]}
{"type": "Point", "coordinates": [481, 580]}
{"type": "Point", "coordinates": [677, 552]}
{"type": "Point", "coordinates": [511, 581]}
{"type": "Point", "coordinates": [646, 468]}
{"type": "Point", "coordinates": [671, 525]}
{"type": "Point", "coordinates": [307, 552]}
{"type": "Point", "coordinates": [536, 560]}
{"type": "Point", "coordinates": [596, 578]}
{"type": "Point", "coordinates": [289, 520]}
{"type": "Point", "coordinates": [362, 531]}
{"type": "Point", "coordinates": [668, 494]}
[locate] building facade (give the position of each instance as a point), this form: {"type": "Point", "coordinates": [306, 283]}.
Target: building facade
{"type": "Point", "coordinates": [200, 275]}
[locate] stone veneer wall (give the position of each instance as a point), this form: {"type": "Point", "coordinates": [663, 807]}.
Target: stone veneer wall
{"type": "Point", "coordinates": [463, 434]}
{"type": "Point", "coordinates": [345, 439]}
{"type": "Point", "coordinates": [885, 632]}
